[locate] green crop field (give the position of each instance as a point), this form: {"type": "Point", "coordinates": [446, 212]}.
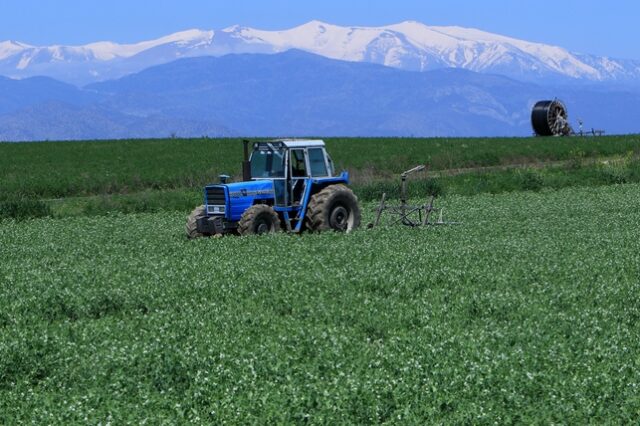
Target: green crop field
{"type": "Point", "coordinates": [528, 312]}
{"type": "Point", "coordinates": [62, 169]}
{"type": "Point", "coordinates": [62, 179]}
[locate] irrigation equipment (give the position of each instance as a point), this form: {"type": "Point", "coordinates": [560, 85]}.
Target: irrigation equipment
{"type": "Point", "coordinates": [551, 118]}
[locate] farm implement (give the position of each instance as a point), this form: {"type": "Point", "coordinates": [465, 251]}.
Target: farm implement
{"type": "Point", "coordinates": [406, 214]}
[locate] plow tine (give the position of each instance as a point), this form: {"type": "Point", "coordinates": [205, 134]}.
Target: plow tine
{"type": "Point", "coordinates": [428, 208]}
{"type": "Point", "coordinates": [380, 209]}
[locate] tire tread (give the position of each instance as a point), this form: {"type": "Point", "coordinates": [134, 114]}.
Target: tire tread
{"type": "Point", "coordinates": [316, 211]}
{"type": "Point", "coordinates": [191, 227]}
{"type": "Point", "coordinates": [249, 216]}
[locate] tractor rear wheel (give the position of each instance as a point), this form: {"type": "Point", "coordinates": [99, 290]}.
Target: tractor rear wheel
{"type": "Point", "coordinates": [192, 223]}
{"type": "Point", "coordinates": [259, 219]}
{"type": "Point", "coordinates": [334, 208]}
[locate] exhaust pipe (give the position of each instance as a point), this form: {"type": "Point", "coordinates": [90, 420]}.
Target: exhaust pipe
{"type": "Point", "coordinates": [246, 166]}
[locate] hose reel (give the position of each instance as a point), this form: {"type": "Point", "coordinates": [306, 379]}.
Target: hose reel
{"type": "Point", "coordinates": [550, 118]}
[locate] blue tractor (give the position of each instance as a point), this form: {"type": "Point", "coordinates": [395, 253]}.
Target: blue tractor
{"type": "Point", "coordinates": [287, 185]}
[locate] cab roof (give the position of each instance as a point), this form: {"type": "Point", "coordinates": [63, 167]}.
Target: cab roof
{"type": "Point", "coordinates": [300, 143]}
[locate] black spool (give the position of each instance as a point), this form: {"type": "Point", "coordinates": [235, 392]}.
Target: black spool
{"type": "Point", "coordinates": [550, 118]}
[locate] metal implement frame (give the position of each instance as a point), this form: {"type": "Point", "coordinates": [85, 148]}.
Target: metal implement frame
{"type": "Point", "coordinates": [405, 213]}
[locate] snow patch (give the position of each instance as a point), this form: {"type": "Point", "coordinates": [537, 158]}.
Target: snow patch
{"type": "Point", "coordinates": [10, 48]}
{"type": "Point", "coordinates": [25, 60]}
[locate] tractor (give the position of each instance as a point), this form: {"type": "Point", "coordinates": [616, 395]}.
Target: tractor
{"type": "Point", "coordinates": [287, 185]}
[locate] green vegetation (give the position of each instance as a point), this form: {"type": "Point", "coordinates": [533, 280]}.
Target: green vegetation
{"type": "Point", "coordinates": [21, 208]}
{"type": "Point", "coordinates": [95, 178]}
{"type": "Point", "coordinates": [63, 169]}
{"type": "Point", "coordinates": [526, 313]}
{"type": "Point", "coordinates": [495, 181]}
{"type": "Point", "coordinates": [467, 183]}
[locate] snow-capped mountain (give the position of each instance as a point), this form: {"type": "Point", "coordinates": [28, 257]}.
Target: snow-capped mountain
{"type": "Point", "coordinates": [407, 45]}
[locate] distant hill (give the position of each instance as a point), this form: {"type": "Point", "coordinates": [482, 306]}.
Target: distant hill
{"type": "Point", "coordinates": [59, 121]}
{"type": "Point", "coordinates": [18, 94]}
{"type": "Point", "coordinates": [299, 94]}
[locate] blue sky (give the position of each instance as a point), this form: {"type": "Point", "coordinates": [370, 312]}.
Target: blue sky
{"type": "Point", "coordinates": [601, 27]}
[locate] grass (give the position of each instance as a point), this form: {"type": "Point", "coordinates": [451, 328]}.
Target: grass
{"type": "Point", "coordinates": [526, 313]}
{"type": "Point", "coordinates": [24, 208]}
{"type": "Point", "coordinates": [147, 201]}
{"type": "Point", "coordinates": [585, 173]}
{"type": "Point", "coordinates": [54, 170]}
{"type": "Point", "coordinates": [63, 179]}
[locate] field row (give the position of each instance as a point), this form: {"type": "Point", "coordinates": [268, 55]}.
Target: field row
{"type": "Point", "coordinates": [584, 173]}
{"type": "Point", "coordinates": [62, 169]}
{"type": "Point", "coordinates": [527, 312]}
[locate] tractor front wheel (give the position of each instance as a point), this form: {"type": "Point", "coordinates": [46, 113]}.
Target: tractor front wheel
{"type": "Point", "coordinates": [259, 219]}
{"type": "Point", "coordinates": [334, 208]}
{"type": "Point", "coordinates": [192, 223]}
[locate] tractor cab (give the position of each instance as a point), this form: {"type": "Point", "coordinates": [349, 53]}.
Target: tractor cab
{"type": "Point", "coordinates": [290, 165]}
{"type": "Point", "coordinates": [289, 184]}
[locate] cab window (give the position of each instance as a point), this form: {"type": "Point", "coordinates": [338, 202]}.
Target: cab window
{"type": "Point", "coordinates": [317, 163]}
{"type": "Point", "coordinates": [298, 165]}
{"type": "Point", "coordinates": [267, 163]}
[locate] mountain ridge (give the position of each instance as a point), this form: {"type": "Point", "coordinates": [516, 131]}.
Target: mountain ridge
{"type": "Point", "coordinates": [408, 45]}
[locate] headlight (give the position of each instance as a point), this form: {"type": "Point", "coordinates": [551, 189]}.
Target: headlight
{"type": "Point", "coordinates": [215, 209]}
